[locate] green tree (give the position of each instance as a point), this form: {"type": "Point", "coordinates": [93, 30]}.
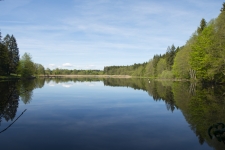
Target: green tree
{"type": "Point", "coordinates": [3, 59]}
{"type": "Point", "coordinates": [218, 50]}
{"type": "Point", "coordinates": [39, 69]}
{"type": "Point", "coordinates": [6, 42]}
{"type": "Point", "coordinates": [170, 54]}
{"type": "Point", "coordinates": [200, 58]}
{"type": "Point", "coordinates": [13, 53]}
{"type": "Point", "coordinates": [48, 71]}
{"type": "Point", "coordinates": [202, 26]}
{"type": "Point", "coordinates": [155, 61]}
{"type": "Point", "coordinates": [26, 66]}
{"type": "Point", "coordinates": [223, 8]}
{"type": "Point", "coordinates": [181, 66]}
{"type": "Point", "coordinates": [161, 66]}
{"type": "Point", "coordinates": [150, 69]}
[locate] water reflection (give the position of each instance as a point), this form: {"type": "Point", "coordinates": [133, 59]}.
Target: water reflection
{"type": "Point", "coordinates": [11, 92]}
{"type": "Point", "coordinates": [200, 105]}
{"type": "Point", "coordinates": [26, 88]}
{"type": "Point", "coordinates": [217, 131]}
{"type": "Point", "coordinates": [9, 100]}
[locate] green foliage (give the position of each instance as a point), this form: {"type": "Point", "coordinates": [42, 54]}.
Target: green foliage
{"type": "Point", "coordinates": [181, 66]}
{"type": "Point", "coordinates": [58, 71]}
{"type": "Point", "coordinates": [13, 53]}
{"type": "Point", "coordinates": [223, 8]}
{"type": "Point", "coordinates": [4, 59]}
{"type": "Point", "coordinates": [48, 71]}
{"type": "Point", "coordinates": [170, 54]}
{"type": "Point", "coordinates": [218, 51]}
{"type": "Point", "coordinates": [26, 66]}
{"type": "Point", "coordinates": [10, 61]}
{"type": "Point", "coordinates": [135, 70]}
{"type": "Point", "coordinates": [200, 59]}
{"type": "Point", "coordinates": [166, 74]}
{"type": "Point", "coordinates": [155, 61]}
{"type": "Point", "coordinates": [161, 66]}
{"type": "Point", "coordinates": [39, 69]}
{"type": "Point", "coordinates": [149, 70]}
{"type": "Point", "coordinates": [202, 26]}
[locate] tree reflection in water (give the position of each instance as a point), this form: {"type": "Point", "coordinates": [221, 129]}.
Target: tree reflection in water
{"type": "Point", "coordinates": [217, 131]}
{"type": "Point", "coordinates": [9, 100]}
{"type": "Point", "coordinates": [11, 92]}
{"type": "Point", "coordinates": [200, 105]}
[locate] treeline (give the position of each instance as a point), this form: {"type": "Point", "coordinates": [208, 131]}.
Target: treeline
{"type": "Point", "coordinates": [58, 71]}
{"type": "Point", "coordinates": [10, 62]}
{"type": "Point", "coordinates": [201, 58]}
{"type": "Point", "coordinates": [135, 70]}
{"type": "Point", "coordinates": [159, 66]}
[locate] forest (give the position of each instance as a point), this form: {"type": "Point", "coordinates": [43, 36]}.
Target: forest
{"type": "Point", "coordinates": [201, 58]}
{"type": "Point", "coordinates": [59, 71]}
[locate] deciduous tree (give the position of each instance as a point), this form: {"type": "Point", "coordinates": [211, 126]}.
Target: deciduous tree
{"type": "Point", "coordinates": [26, 66]}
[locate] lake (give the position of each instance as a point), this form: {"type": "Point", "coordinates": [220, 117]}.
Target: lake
{"type": "Point", "coordinates": [110, 114]}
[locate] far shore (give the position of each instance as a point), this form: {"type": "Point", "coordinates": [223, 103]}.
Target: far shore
{"type": "Point", "coordinates": [84, 76]}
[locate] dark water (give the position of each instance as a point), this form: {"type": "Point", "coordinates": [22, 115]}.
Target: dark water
{"type": "Point", "coordinates": [110, 114]}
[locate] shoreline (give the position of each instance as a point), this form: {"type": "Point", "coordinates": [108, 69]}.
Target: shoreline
{"type": "Point", "coordinates": [11, 78]}
{"type": "Point", "coordinates": [84, 76]}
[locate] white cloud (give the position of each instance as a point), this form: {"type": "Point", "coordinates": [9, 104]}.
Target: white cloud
{"type": "Point", "coordinates": [67, 65]}
{"type": "Point", "coordinates": [51, 65]}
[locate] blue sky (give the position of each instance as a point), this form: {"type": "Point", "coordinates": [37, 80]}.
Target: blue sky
{"type": "Point", "coordinates": [91, 34]}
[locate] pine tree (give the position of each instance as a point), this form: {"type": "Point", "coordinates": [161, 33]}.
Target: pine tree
{"type": "Point", "coordinates": [223, 9]}
{"type": "Point", "coordinates": [3, 59]}
{"type": "Point", "coordinates": [155, 61]}
{"type": "Point", "coordinates": [170, 54]}
{"type": "Point", "coordinates": [6, 42]}
{"type": "Point", "coordinates": [202, 26]}
{"type": "Point", "coordinates": [13, 53]}
{"type": "Point", "coordinates": [0, 37]}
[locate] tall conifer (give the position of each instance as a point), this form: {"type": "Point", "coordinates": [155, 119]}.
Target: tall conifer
{"type": "Point", "coordinates": [3, 59]}
{"type": "Point", "coordinates": [13, 53]}
{"type": "Point", "coordinates": [202, 26]}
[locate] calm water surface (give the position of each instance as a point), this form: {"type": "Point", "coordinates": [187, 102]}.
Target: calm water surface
{"type": "Point", "coordinates": [108, 114]}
